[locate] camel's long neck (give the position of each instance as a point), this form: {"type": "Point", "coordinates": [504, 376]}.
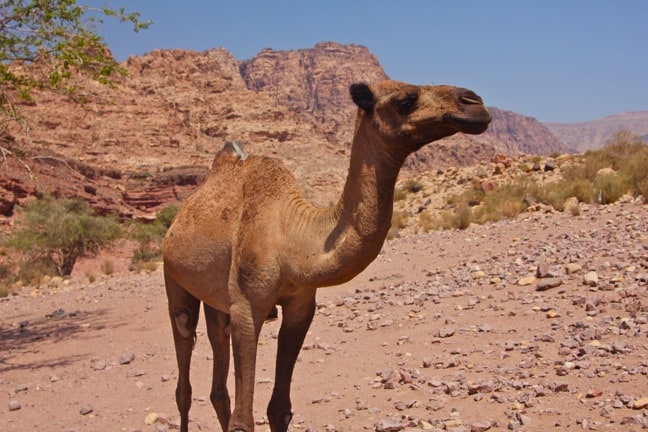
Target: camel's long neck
{"type": "Point", "coordinates": [345, 238]}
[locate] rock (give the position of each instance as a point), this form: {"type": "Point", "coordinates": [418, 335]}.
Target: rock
{"type": "Point", "coordinates": [479, 274]}
{"type": "Point", "coordinates": [446, 332]}
{"type": "Point", "coordinates": [552, 314]}
{"type": "Point", "coordinates": [590, 279]}
{"type": "Point", "coordinates": [548, 283]}
{"type": "Point", "coordinates": [550, 165]}
{"type": "Point", "coordinates": [527, 280]}
{"type": "Point", "coordinates": [86, 409]}
{"type": "Point", "coordinates": [452, 424]}
{"type": "Point", "coordinates": [151, 418]}
{"type": "Point", "coordinates": [98, 364]}
{"type": "Point", "coordinates": [542, 271]}
{"type": "Point", "coordinates": [593, 393]}
{"type": "Point", "coordinates": [422, 424]}
{"type": "Point", "coordinates": [480, 427]}
{"type": "Point", "coordinates": [388, 425]}
{"type": "Point", "coordinates": [640, 403]}
{"type": "Point", "coordinates": [160, 427]}
{"type": "Point", "coordinates": [126, 358]}
{"type": "Point", "coordinates": [572, 268]}
{"type": "Point", "coordinates": [21, 388]}
{"type": "Point", "coordinates": [14, 405]}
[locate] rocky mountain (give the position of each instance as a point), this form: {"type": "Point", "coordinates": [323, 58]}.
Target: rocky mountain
{"type": "Point", "coordinates": [151, 139]}
{"type": "Point", "coordinates": [513, 134]}
{"type": "Point", "coordinates": [594, 134]}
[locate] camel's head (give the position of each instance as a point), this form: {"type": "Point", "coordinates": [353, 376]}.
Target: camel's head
{"type": "Point", "coordinates": [412, 116]}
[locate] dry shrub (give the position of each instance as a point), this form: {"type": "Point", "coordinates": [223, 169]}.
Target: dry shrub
{"type": "Point", "coordinates": [400, 194]}
{"type": "Point", "coordinates": [6, 278]}
{"type": "Point", "coordinates": [507, 201]}
{"type": "Point", "coordinates": [463, 216]}
{"type": "Point", "coordinates": [412, 186]}
{"type": "Point", "coordinates": [427, 222]}
{"type": "Point", "coordinates": [4, 289]}
{"type": "Point", "coordinates": [33, 270]}
{"type": "Point", "coordinates": [145, 266]}
{"type": "Point", "coordinates": [460, 217]}
{"type": "Point", "coordinates": [627, 155]}
{"type": "Point", "coordinates": [108, 267]}
{"type": "Point", "coordinates": [609, 188]}
{"type": "Point", "coordinates": [471, 197]}
{"type": "Point", "coordinates": [399, 219]}
{"type": "Point", "coordinates": [398, 222]}
{"type": "Point", "coordinates": [636, 173]}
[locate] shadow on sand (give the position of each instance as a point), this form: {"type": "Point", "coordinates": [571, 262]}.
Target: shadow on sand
{"type": "Point", "coordinates": [30, 336]}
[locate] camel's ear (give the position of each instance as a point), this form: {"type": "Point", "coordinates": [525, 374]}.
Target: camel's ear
{"type": "Point", "coordinates": [363, 96]}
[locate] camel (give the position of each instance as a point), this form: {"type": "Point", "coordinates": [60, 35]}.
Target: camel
{"type": "Point", "coordinates": [247, 241]}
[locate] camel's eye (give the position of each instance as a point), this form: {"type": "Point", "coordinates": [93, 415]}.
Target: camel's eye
{"type": "Point", "coordinates": [407, 104]}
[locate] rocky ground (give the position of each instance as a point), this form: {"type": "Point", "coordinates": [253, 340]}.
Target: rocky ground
{"type": "Point", "coordinates": [533, 324]}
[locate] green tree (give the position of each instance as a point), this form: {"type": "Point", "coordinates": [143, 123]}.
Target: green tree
{"type": "Point", "coordinates": [59, 231]}
{"type": "Point", "coordinates": [44, 43]}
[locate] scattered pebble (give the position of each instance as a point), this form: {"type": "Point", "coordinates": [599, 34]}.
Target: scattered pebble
{"type": "Point", "coordinates": [127, 358]}
{"type": "Point", "coordinates": [86, 409]}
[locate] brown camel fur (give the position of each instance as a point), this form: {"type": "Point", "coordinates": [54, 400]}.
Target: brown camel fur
{"type": "Point", "coordinates": [247, 241]}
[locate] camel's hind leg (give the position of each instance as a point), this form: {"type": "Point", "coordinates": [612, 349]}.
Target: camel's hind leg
{"type": "Point", "coordinates": [297, 314]}
{"type": "Point", "coordinates": [183, 311]}
{"type": "Point", "coordinates": [218, 330]}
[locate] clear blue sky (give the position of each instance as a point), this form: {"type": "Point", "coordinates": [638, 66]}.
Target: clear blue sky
{"type": "Point", "coordinates": [555, 60]}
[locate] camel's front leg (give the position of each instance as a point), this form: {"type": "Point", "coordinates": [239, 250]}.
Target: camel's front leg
{"type": "Point", "coordinates": [297, 316]}
{"type": "Point", "coordinates": [245, 326]}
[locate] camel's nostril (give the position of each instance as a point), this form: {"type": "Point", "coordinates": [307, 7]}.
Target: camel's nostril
{"type": "Point", "coordinates": [470, 97]}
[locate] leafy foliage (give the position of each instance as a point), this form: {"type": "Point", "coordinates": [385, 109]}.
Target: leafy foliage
{"type": "Point", "coordinates": [149, 235]}
{"type": "Point", "coordinates": [55, 233]}
{"type": "Point", "coordinates": [59, 36]}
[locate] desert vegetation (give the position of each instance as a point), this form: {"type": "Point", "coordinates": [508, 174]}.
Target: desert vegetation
{"type": "Point", "coordinates": [149, 237]}
{"type": "Point", "coordinates": [52, 234]}
{"type": "Point", "coordinates": [596, 177]}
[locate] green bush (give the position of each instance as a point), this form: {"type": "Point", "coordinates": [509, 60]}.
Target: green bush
{"type": "Point", "coordinates": [56, 232]}
{"type": "Point", "coordinates": [149, 235]}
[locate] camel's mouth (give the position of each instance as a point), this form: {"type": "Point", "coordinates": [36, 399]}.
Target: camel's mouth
{"type": "Point", "coordinates": [473, 117]}
{"type": "Point", "coordinates": [473, 125]}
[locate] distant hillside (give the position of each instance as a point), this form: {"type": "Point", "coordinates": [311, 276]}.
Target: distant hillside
{"type": "Point", "coordinates": [594, 134]}
{"type": "Point", "coordinates": [513, 134]}
{"type": "Point", "coordinates": [149, 141]}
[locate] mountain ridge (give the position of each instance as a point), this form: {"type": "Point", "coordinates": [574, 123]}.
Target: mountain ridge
{"type": "Point", "coordinates": [176, 108]}
{"type": "Point", "coordinates": [593, 134]}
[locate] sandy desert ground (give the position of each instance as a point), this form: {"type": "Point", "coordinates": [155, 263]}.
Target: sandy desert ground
{"type": "Point", "coordinates": [533, 324]}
